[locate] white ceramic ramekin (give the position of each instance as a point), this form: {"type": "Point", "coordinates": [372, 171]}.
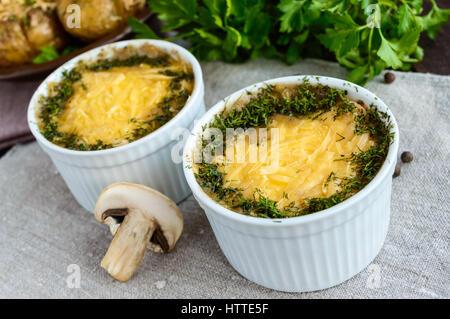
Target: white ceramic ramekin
{"type": "Point", "coordinates": [146, 161]}
{"type": "Point", "coordinates": [310, 252]}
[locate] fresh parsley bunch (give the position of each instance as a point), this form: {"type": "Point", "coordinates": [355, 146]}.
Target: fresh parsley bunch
{"type": "Point", "coordinates": [364, 36]}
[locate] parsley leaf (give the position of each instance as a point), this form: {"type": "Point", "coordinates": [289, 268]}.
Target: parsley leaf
{"type": "Point", "coordinates": [388, 55]}
{"type": "Point", "coordinates": [365, 36]}
{"type": "Point", "coordinates": [141, 29]}
{"type": "Point", "coordinates": [435, 20]}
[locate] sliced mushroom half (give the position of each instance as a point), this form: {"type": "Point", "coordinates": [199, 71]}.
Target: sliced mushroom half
{"type": "Point", "coordinates": [139, 218]}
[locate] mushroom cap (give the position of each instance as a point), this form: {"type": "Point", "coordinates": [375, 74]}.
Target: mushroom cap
{"type": "Point", "coordinates": [127, 198]}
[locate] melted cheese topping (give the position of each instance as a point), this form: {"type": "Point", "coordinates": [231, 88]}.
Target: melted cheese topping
{"type": "Point", "coordinates": [107, 105]}
{"type": "Point", "coordinates": [308, 152]}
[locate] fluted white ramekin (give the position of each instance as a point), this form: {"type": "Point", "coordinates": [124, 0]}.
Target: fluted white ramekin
{"type": "Point", "coordinates": [310, 252]}
{"type": "Point", "coordinates": [146, 161]}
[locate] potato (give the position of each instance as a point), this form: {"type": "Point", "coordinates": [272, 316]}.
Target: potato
{"type": "Point", "coordinates": [96, 17]}
{"type": "Point", "coordinates": [43, 29]}
{"type": "Point", "coordinates": [25, 29]}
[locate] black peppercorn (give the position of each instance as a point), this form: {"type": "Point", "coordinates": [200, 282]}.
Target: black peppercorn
{"type": "Point", "coordinates": [397, 170]}
{"type": "Point", "coordinates": [389, 77]}
{"type": "Point", "coordinates": [407, 157]}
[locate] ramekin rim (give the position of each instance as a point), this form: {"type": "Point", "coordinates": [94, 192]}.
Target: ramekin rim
{"type": "Point", "coordinates": [165, 129]}
{"type": "Point", "coordinates": [215, 207]}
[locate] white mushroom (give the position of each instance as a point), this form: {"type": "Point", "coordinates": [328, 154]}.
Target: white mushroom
{"type": "Point", "coordinates": [139, 217]}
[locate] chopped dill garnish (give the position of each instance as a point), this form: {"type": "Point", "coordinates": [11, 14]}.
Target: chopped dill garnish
{"type": "Point", "coordinates": [329, 178]}
{"type": "Point", "coordinates": [108, 64]}
{"type": "Point", "coordinates": [307, 100]}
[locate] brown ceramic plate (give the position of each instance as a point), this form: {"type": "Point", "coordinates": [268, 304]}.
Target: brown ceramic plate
{"type": "Point", "coordinates": [34, 69]}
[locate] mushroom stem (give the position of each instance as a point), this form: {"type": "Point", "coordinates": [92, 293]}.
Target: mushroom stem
{"type": "Point", "coordinates": [128, 247]}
